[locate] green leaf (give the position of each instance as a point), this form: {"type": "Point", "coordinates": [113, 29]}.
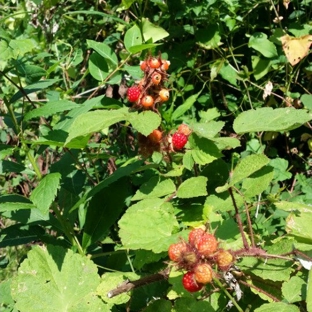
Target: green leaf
{"type": "Point", "coordinates": [261, 66]}
{"type": "Point", "coordinates": [141, 47]}
{"type": "Point", "coordinates": [14, 202]}
{"type": "Point", "coordinates": [259, 42]}
{"type": "Point", "coordinates": [51, 108]}
{"type": "Point", "coordinates": [280, 166]}
{"type": "Point", "coordinates": [257, 182]}
{"type": "Point", "coordinates": [228, 73]}
{"type": "Point", "coordinates": [306, 99]}
{"type": "Point", "coordinates": [269, 119]}
{"type": "Point", "coordinates": [38, 86]}
{"type": "Point", "coordinates": [44, 194]}
{"type": "Point", "coordinates": [208, 130]}
{"type": "Point", "coordinates": [160, 305]}
{"type": "Point", "coordinates": [104, 210]}
{"type": "Point", "coordinates": [54, 279]}
{"type": "Point", "coordinates": [309, 292]}
{"type": "Point", "coordinates": [189, 102]}
{"type": "Point", "coordinates": [193, 187]}
{"type": "Point", "coordinates": [98, 67]}
{"type": "Point", "coordinates": [105, 51]}
{"type": "Point", "coordinates": [144, 122]}
{"type": "Point", "coordinates": [292, 289]}
{"type": "Point", "coordinates": [277, 306]}
{"type": "Point", "coordinates": [133, 37]}
{"type": "Point", "coordinates": [148, 225]}
{"type": "Point", "coordinates": [208, 37]}
{"type": "Point", "coordinates": [155, 188]}
{"type": "Point", "coordinates": [16, 48]}
{"type": "Point", "coordinates": [299, 225]}
{"type": "Point", "coordinates": [95, 121]}
{"type": "Point", "coordinates": [153, 32]}
{"type": "Point", "coordinates": [223, 202]}
{"type": "Point", "coordinates": [191, 304]}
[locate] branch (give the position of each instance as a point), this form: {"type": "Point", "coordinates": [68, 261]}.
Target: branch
{"type": "Point", "coordinates": [128, 285]}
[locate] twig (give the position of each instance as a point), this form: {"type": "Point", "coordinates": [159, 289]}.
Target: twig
{"type": "Point", "coordinates": [128, 285]}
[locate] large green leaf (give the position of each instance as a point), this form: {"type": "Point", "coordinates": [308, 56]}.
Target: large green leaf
{"type": "Point", "coordinates": [144, 122]}
{"type": "Point", "coordinates": [56, 279]}
{"type": "Point", "coordinates": [259, 42]}
{"type": "Point", "coordinates": [269, 119]}
{"type": "Point", "coordinates": [193, 187]}
{"type": "Point", "coordinates": [133, 37]}
{"type": "Point", "coordinates": [148, 225]}
{"type": "Point", "coordinates": [152, 31]}
{"type": "Point", "coordinates": [277, 306]}
{"type": "Point", "coordinates": [189, 102]}
{"type": "Point", "coordinates": [105, 51]}
{"type": "Point", "coordinates": [104, 209]}
{"type": "Point", "coordinates": [44, 194]}
{"type": "Point", "coordinates": [14, 202]}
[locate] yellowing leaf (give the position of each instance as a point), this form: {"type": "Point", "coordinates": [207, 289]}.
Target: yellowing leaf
{"type": "Point", "coordinates": [296, 48]}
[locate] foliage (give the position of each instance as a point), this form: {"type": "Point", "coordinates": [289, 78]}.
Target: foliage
{"type": "Point", "coordinates": [99, 200]}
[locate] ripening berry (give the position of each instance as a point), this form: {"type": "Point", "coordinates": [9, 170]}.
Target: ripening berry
{"type": "Point", "coordinates": [154, 63]}
{"type": "Point", "coordinates": [164, 95]}
{"type": "Point", "coordinates": [224, 259]}
{"type": "Point", "coordinates": [156, 79]}
{"type": "Point", "coordinates": [203, 273]}
{"type": "Point", "coordinates": [207, 245]}
{"type": "Point", "coordinates": [183, 128]}
{"type": "Point", "coordinates": [176, 251]}
{"type": "Point", "coordinates": [164, 65]}
{"type": "Point", "coordinates": [147, 101]}
{"type": "Point", "coordinates": [189, 282]}
{"type": "Point", "coordinates": [155, 136]}
{"type": "Point", "coordinates": [143, 65]}
{"type": "Point", "coordinates": [133, 93]}
{"type": "Point", "coordinates": [195, 235]}
{"type": "Point", "coordinates": [179, 140]}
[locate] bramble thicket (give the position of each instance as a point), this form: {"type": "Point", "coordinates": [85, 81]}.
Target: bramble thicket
{"type": "Point", "coordinates": [156, 155]}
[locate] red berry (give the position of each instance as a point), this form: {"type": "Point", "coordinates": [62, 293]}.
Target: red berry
{"type": "Point", "coordinates": [164, 95]}
{"type": "Point", "coordinates": [154, 63]}
{"type": "Point", "coordinates": [203, 273]}
{"type": "Point", "coordinates": [195, 235]}
{"type": "Point", "coordinates": [207, 245]}
{"type": "Point", "coordinates": [133, 93]}
{"type": "Point", "coordinates": [183, 128]}
{"type": "Point", "coordinates": [189, 282]}
{"type": "Point", "coordinates": [155, 136]}
{"type": "Point", "coordinates": [147, 101]}
{"type": "Point", "coordinates": [224, 259]}
{"type": "Point", "coordinates": [179, 140]}
{"type": "Point", "coordinates": [176, 251]}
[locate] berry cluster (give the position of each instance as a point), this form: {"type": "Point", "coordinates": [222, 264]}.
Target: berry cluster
{"type": "Point", "coordinates": [199, 256]}
{"type": "Point", "coordinates": [150, 91]}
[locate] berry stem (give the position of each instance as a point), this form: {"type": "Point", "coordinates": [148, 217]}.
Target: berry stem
{"type": "Point", "coordinates": [220, 285]}
{"type": "Point", "coordinates": [128, 285]}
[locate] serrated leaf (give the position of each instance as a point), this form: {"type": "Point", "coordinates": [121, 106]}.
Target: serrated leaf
{"type": "Point", "coordinates": [193, 187]}
{"type": "Point", "coordinates": [292, 289]}
{"type": "Point", "coordinates": [299, 225]}
{"type": "Point", "coordinates": [247, 166]}
{"type": "Point", "coordinates": [44, 194]}
{"type": "Point", "coordinates": [155, 187]}
{"type": "Point", "coordinates": [208, 130]}
{"type": "Point", "coordinates": [95, 121]}
{"type": "Point", "coordinates": [223, 202]}
{"type": "Point", "coordinates": [269, 119]}
{"type": "Point", "coordinates": [156, 224]}
{"type": "Point", "coordinates": [53, 279]}
{"type": "Point", "coordinates": [189, 102]}
{"type": "Point", "coordinates": [259, 41]}
{"type": "Point", "coordinates": [51, 108]}
{"type": "Point", "coordinates": [277, 306]}
{"type": "Point", "coordinates": [144, 122]}
{"type": "Point", "coordinates": [152, 31]}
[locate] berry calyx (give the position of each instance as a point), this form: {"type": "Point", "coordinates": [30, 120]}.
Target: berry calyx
{"type": "Point", "coordinates": [164, 65]}
{"type": "Point", "coordinates": [133, 93]}
{"type": "Point", "coordinates": [154, 63]}
{"type": "Point", "coordinates": [189, 282]}
{"type": "Point", "coordinates": [203, 273]}
{"type": "Point", "coordinates": [195, 235]}
{"type": "Point", "coordinates": [179, 140]}
{"type": "Point", "coordinates": [207, 245]}
{"type": "Point", "coordinates": [224, 259]}
{"type": "Point", "coordinates": [156, 79]}
{"type": "Point", "coordinates": [183, 128]}
{"type": "Point", "coordinates": [176, 251]}
{"type": "Point", "coordinates": [147, 101]}
{"type": "Point", "coordinates": [155, 136]}
{"type": "Point", "coordinates": [164, 95]}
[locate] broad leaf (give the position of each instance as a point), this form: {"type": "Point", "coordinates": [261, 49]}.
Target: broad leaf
{"type": "Point", "coordinates": [189, 102]}
{"type": "Point", "coordinates": [277, 306]}
{"type": "Point", "coordinates": [193, 187]}
{"type": "Point", "coordinates": [269, 119]}
{"type": "Point", "coordinates": [133, 37]}
{"type": "Point", "coordinates": [44, 194]}
{"type": "Point", "coordinates": [144, 122]}
{"type": "Point", "coordinates": [152, 31]}
{"type": "Point", "coordinates": [259, 42]}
